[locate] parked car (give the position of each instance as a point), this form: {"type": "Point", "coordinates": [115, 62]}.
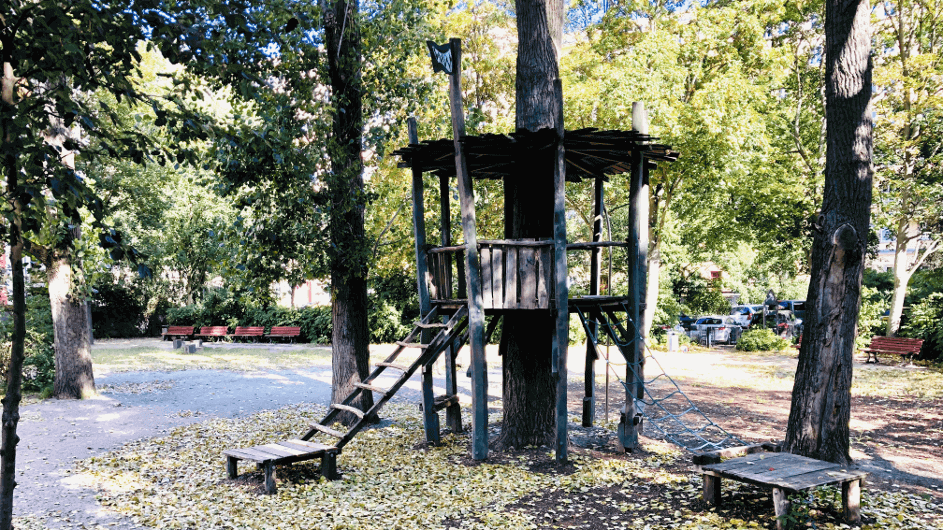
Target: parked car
{"type": "Point", "coordinates": [747, 315]}
{"type": "Point", "coordinates": [796, 306]}
{"type": "Point", "coordinates": [718, 329]}
{"type": "Point", "coordinates": [686, 321]}
{"type": "Point", "coordinates": [786, 325]}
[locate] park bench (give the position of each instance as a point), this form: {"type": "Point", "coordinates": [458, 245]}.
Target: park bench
{"type": "Point", "coordinates": [284, 332]}
{"type": "Point", "coordinates": [184, 332]}
{"type": "Point", "coordinates": [785, 473]}
{"type": "Point", "coordinates": [896, 345]}
{"type": "Point", "coordinates": [214, 331]}
{"type": "Point", "coordinates": [253, 332]}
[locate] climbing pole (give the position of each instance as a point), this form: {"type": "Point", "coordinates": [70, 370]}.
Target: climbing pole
{"type": "Point", "coordinates": [665, 408]}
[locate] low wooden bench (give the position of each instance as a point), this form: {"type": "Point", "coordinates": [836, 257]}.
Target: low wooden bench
{"type": "Point", "coordinates": [284, 332]}
{"type": "Point", "coordinates": [214, 331]}
{"type": "Point", "coordinates": [253, 332]}
{"type": "Point", "coordinates": [287, 452]}
{"type": "Point", "coordinates": [902, 346]}
{"type": "Point", "coordinates": [184, 332]}
{"type": "Point", "coordinates": [785, 473]}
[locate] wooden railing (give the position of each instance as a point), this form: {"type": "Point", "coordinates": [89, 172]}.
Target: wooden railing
{"type": "Point", "coordinates": [515, 274]}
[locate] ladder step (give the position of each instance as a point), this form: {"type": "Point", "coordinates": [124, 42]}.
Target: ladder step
{"type": "Point", "coordinates": [412, 345]}
{"type": "Point", "coordinates": [327, 430]}
{"type": "Point", "coordinates": [393, 366]}
{"type": "Point", "coordinates": [353, 410]}
{"type": "Point", "coordinates": [442, 402]}
{"type": "Point", "coordinates": [371, 388]}
{"type": "Point", "coordinates": [430, 325]}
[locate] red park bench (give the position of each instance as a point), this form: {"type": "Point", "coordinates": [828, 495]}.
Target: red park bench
{"type": "Point", "coordinates": [253, 332]}
{"type": "Point", "coordinates": [896, 345]}
{"type": "Point", "coordinates": [172, 332]}
{"type": "Point", "coordinates": [284, 332]}
{"type": "Point", "coordinates": [214, 331]}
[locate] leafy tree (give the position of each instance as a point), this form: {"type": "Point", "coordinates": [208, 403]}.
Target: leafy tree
{"type": "Point", "coordinates": [909, 72]}
{"type": "Point", "coordinates": [819, 418]}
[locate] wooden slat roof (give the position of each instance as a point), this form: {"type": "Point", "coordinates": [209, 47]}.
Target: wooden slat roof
{"type": "Point", "coordinates": [590, 152]}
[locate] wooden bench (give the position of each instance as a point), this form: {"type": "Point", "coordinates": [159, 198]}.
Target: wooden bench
{"type": "Point", "coordinates": [253, 332]}
{"type": "Point", "coordinates": [287, 452]}
{"type": "Point", "coordinates": [184, 332]}
{"type": "Point", "coordinates": [785, 473]}
{"type": "Point", "coordinates": [284, 332]}
{"type": "Point", "coordinates": [214, 331]}
{"type": "Point", "coordinates": [896, 345]}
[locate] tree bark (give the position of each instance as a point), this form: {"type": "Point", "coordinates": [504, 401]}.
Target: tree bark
{"type": "Point", "coordinates": [821, 401]}
{"type": "Point", "coordinates": [351, 336]}
{"type": "Point", "coordinates": [74, 375]}
{"type": "Point", "coordinates": [529, 387]}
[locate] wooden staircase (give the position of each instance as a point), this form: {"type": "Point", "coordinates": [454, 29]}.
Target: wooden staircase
{"type": "Point", "coordinates": [297, 450]}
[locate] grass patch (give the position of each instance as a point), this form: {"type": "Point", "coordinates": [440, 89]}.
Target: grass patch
{"type": "Point", "coordinates": [162, 358]}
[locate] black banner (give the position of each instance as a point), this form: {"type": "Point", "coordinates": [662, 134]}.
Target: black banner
{"type": "Point", "coordinates": [441, 57]}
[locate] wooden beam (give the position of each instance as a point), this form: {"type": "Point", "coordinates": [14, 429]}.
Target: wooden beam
{"type": "Point", "coordinates": [476, 315]}
{"type": "Point", "coordinates": [589, 381]}
{"type": "Point", "coordinates": [419, 229]}
{"type": "Point", "coordinates": [561, 337]}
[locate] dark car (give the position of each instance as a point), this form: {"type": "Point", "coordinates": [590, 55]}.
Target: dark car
{"type": "Point", "coordinates": [686, 321]}
{"type": "Point", "coordinates": [796, 306]}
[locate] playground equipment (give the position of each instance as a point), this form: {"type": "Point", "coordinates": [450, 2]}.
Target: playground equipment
{"type": "Point", "coordinates": [482, 278]}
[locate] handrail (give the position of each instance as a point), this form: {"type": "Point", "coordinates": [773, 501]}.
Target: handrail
{"type": "Point", "coordinates": [534, 244]}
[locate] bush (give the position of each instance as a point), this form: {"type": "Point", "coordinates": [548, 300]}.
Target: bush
{"type": "Point", "coordinates": [39, 368]}
{"type": "Point", "coordinates": [761, 340]}
{"type": "Point", "coordinates": [118, 311]}
{"type": "Point", "coordinates": [926, 322]}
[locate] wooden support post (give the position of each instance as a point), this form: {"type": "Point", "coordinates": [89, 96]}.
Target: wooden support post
{"type": "Point", "coordinates": [589, 400]}
{"type": "Point", "coordinates": [476, 315]}
{"type": "Point", "coordinates": [640, 124]}
{"type": "Point", "coordinates": [453, 413]}
{"type": "Point", "coordinates": [712, 486]}
{"type": "Point", "coordinates": [851, 501]}
{"type": "Point", "coordinates": [430, 418]}
{"type": "Point", "coordinates": [782, 506]}
{"type": "Point", "coordinates": [419, 229]}
{"type": "Point", "coordinates": [232, 466]}
{"type": "Point", "coordinates": [329, 466]}
{"type": "Point", "coordinates": [561, 336]}
{"type": "Point", "coordinates": [269, 477]}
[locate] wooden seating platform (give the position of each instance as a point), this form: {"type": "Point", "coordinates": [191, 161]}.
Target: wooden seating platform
{"type": "Point", "coordinates": [786, 474]}
{"type": "Point", "coordinates": [284, 332]}
{"type": "Point", "coordinates": [184, 332]}
{"type": "Point", "coordinates": [279, 453]}
{"type": "Point", "coordinates": [902, 346]}
{"type": "Point", "coordinates": [213, 331]}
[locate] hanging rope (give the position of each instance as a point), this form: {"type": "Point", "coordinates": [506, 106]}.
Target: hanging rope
{"type": "Point", "coordinates": [667, 410]}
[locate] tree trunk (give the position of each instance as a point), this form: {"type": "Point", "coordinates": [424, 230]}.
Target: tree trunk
{"type": "Point", "coordinates": [11, 401]}
{"type": "Point", "coordinates": [526, 339]}
{"type": "Point", "coordinates": [821, 401]}
{"type": "Point", "coordinates": [74, 375]}
{"type": "Point", "coordinates": [351, 336]}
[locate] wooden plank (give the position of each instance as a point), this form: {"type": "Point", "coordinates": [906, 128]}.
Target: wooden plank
{"type": "Point", "coordinates": [516, 242]}
{"type": "Point", "coordinates": [353, 410]}
{"type": "Point", "coordinates": [393, 366]}
{"type": "Point", "coordinates": [527, 276]}
{"type": "Point", "coordinates": [544, 277]}
{"type": "Point", "coordinates": [462, 280]}
{"type": "Point", "coordinates": [371, 388]}
{"type": "Point", "coordinates": [511, 296]}
{"type": "Point", "coordinates": [476, 316]}
{"type": "Point", "coordinates": [817, 478]}
{"type": "Point", "coordinates": [285, 451]}
{"type": "Point", "coordinates": [327, 430]}
{"type": "Point", "coordinates": [487, 298]}
{"type": "Point", "coordinates": [497, 277]}
{"type": "Point", "coordinates": [249, 453]}
{"type": "Point", "coordinates": [313, 447]}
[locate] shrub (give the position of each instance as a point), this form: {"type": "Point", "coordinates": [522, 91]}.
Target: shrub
{"type": "Point", "coordinates": [926, 322]}
{"type": "Point", "coordinates": [118, 311]}
{"type": "Point", "coordinates": [39, 368]}
{"type": "Point", "coordinates": [761, 340]}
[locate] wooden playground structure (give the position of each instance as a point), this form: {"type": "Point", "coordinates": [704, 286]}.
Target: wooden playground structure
{"type": "Point", "coordinates": [462, 284]}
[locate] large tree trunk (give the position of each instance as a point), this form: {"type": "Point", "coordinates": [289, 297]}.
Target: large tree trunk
{"type": "Point", "coordinates": [14, 379]}
{"type": "Point", "coordinates": [74, 376]}
{"type": "Point", "coordinates": [821, 400]}
{"type": "Point", "coordinates": [351, 337]}
{"type": "Point", "coordinates": [526, 339]}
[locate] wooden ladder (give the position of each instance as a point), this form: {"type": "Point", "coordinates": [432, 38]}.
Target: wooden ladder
{"type": "Point", "coordinates": [446, 336]}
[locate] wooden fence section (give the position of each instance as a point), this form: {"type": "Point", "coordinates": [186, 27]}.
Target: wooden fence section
{"type": "Point", "coordinates": [515, 274]}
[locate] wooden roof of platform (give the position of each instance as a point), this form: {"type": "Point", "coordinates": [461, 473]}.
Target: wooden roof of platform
{"type": "Point", "coordinates": [590, 153]}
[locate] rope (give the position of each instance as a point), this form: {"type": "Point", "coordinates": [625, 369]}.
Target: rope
{"type": "Point", "coordinates": [668, 411]}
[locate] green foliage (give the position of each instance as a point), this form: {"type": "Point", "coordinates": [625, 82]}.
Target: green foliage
{"type": "Point", "coordinates": [39, 368]}
{"type": "Point", "coordinates": [314, 321]}
{"type": "Point", "coordinates": [873, 305]}
{"type": "Point", "coordinates": [118, 310]}
{"type": "Point", "coordinates": [926, 322]}
{"type": "Point", "coordinates": [761, 340]}
{"type": "Point", "coordinates": [704, 297]}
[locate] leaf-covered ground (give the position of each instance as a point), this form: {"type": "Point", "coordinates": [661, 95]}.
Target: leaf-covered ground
{"type": "Point", "coordinates": [393, 480]}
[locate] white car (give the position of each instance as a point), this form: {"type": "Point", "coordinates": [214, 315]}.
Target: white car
{"type": "Point", "coordinates": [746, 315]}
{"type": "Point", "coordinates": [716, 329]}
